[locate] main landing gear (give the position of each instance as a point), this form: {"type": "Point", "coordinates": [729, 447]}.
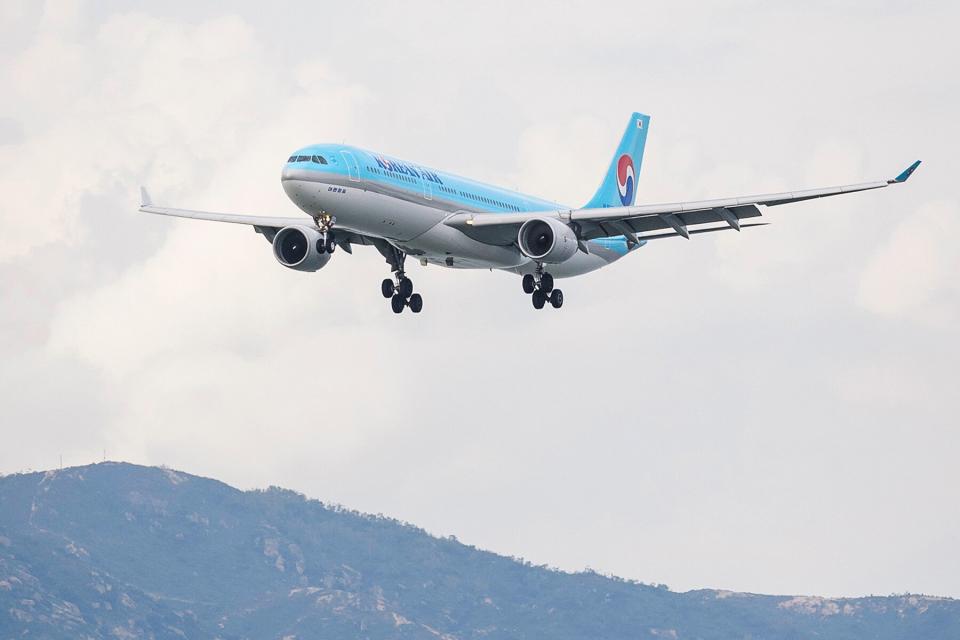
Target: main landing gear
{"type": "Point", "coordinates": [399, 289]}
{"type": "Point", "coordinates": [539, 286]}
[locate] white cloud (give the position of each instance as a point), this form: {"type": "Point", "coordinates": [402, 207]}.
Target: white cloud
{"type": "Point", "coordinates": [148, 100]}
{"type": "Point", "coordinates": [914, 274]}
{"type": "Point", "coordinates": [712, 380]}
{"type": "Point", "coordinates": [554, 154]}
{"type": "Point", "coordinates": [197, 113]}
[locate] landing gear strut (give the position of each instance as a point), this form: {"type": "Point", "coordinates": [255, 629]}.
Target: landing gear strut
{"type": "Point", "coordinates": [327, 243]}
{"type": "Point", "coordinates": [539, 285]}
{"type": "Point", "coordinates": [399, 289]}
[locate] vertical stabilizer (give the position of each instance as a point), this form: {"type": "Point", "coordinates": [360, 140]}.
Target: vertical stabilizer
{"type": "Point", "coordinates": [619, 186]}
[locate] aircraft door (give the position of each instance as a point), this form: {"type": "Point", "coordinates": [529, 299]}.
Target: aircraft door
{"type": "Point", "coordinates": [427, 187]}
{"type": "Point", "coordinates": [352, 166]}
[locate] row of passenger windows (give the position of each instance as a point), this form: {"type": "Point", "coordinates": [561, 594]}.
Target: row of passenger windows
{"type": "Point", "coordinates": [316, 159]}
{"type": "Point", "coordinates": [489, 201]}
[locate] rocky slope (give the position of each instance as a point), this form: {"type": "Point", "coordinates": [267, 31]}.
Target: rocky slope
{"type": "Point", "coordinates": [121, 551]}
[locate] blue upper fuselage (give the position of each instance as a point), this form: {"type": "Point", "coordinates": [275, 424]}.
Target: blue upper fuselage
{"type": "Point", "coordinates": [375, 169]}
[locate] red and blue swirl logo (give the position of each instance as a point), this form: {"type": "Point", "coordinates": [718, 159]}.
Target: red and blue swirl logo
{"type": "Point", "coordinates": [625, 179]}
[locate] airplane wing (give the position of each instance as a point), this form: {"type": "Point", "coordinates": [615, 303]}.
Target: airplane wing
{"type": "Point", "coordinates": [265, 225]}
{"type": "Point", "coordinates": [497, 228]}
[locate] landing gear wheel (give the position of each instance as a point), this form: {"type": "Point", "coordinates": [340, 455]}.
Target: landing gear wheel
{"type": "Point", "coordinates": [397, 303]}
{"type": "Point", "coordinates": [556, 298]}
{"type": "Point", "coordinates": [330, 244]}
{"type": "Point", "coordinates": [539, 299]}
{"type": "Point", "coordinates": [546, 283]}
{"type": "Point", "coordinates": [416, 303]}
{"type": "Point", "coordinates": [529, 284]}
{"type": "Point", "coordinates": [405, 288]}
{"type": "Point", "coordinates": [387, 288]}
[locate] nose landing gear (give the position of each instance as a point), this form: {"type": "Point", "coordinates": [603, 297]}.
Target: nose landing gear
{"type": "Point", "coordinates": [326, 244]}
{"type": "Point", "coordinates": [325, 223]}
{"type": "Point", "coordinates": [539, 285]}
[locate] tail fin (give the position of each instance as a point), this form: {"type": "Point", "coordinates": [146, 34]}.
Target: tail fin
{"type": "Point", "coordinates": [619, 186]}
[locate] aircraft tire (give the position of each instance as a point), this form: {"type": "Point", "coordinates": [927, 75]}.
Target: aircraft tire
{"type": "Point", "coordinates": [397, 303]}
{"type": "Point", "coordinates": [416, 303]}
{"type": "Point", "coordinates": [406, 288]}
{"type": "Point", "coordinates": [539, 299]}
{"type": "Point", "coordinates": [556, 298]}
{"type": "Point", "coordinates": [386, 288]}
{"type": "Point", "coordinates": [529, 284]}
{"type": "Point", "coordinates": [546, 283]}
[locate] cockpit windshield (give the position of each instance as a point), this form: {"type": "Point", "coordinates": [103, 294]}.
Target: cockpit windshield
{"type": "Point", "coordinates": [314, 159]}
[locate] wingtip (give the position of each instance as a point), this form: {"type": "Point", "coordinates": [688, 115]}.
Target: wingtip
{"type": "Point", "coordinates": [905, 175]}
{"type": "Point", "coordinates": [145, 200]}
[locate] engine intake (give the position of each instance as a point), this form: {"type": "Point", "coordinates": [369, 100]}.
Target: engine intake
{"type": "Point", "coordinates": [547, 240]}
{"type": "Point", "coordinates": [300, 248]}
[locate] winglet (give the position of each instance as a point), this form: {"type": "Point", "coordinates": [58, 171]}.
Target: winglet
{"type": "Point", "coordinates": [906, 173]}
{"type": "Point", "coordinates": [145, 200]}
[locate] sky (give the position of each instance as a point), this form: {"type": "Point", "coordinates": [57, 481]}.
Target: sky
{"type": "Point", "coordinates": [774, 411]}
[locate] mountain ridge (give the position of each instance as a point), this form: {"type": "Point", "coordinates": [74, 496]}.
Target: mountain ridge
{"type": "Point", "coordinates": [116, 550]}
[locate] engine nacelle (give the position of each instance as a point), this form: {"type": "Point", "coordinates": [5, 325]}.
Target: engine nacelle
{"type": "Point", "coordinates": [300, 248]}
{"type": "Point", "coordinates": [547, 240]}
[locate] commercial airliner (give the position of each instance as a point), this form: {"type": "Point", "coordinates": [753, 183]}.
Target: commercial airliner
{"type": "Point", "coordinates": [358, 197]}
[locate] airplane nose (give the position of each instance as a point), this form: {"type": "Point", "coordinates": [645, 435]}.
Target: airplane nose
{"type": "Point", "coordinates": [286, 174]}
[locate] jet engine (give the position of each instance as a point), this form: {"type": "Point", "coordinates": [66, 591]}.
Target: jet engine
{"type": "Point", "coordinates": [301, 248]}
{"type": "Point", "coordinates": [547, 240]}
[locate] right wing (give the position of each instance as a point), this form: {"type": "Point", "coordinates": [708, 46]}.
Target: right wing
{"type": "Point", "coordinates": [266, 225]}
{"type": "Point", "coordinates": [501, 228]}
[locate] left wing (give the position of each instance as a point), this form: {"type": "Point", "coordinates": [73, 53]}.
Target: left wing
{"type": "Point", "coordinates": [266, 225]}
{"type": "Point", "coordinates": [499, 228]}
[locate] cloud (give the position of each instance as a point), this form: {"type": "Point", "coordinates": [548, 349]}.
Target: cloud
{"type": "Point", "coordinates": [108, 297]}
{"type": "Point", "coordinates": [144, 100]}
{"type": "Point", "coordinates": [737, 380]}
{"type": "Point", "coordinates": [552, 155]}
{"type": "Point", "coordinates": [913, 275]}
{"type": "Point", "coordinates": [10, 131]}
{"type": "Point", "coordinates": [51, 407]}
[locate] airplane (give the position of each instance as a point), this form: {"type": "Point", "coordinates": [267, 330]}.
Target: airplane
{"type": "Point", "coordinates": [358, 197]}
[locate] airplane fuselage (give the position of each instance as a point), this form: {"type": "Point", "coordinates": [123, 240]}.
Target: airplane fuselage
{"type": "Point", "coordinates": [406, 204]}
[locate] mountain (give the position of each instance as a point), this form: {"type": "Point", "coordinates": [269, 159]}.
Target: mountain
{"type": "Point", "coordinates": [121, 551]}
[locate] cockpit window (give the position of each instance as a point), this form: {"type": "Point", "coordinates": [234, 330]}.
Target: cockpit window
{"type": "Point", "coordinates": [314, 159]}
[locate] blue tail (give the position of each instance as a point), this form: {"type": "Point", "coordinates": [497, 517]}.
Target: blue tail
{"type": "Point", "coordinates": [619, 186]}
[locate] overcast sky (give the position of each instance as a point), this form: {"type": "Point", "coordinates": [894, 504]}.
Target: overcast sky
{"type": "Point", "coordinates": [773, 411]}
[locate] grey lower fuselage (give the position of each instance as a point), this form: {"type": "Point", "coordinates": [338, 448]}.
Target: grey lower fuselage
{"type": "Point", "coordinates": [414, 223]}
